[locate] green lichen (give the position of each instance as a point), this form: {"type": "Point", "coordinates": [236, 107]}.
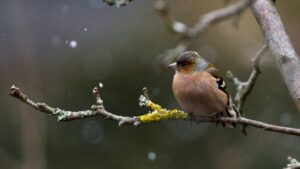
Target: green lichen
{"type": "Point", "coordinates": [158, 113]}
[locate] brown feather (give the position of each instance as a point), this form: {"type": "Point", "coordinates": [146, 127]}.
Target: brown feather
{"type": "Point", "coordinates": [196, 93]}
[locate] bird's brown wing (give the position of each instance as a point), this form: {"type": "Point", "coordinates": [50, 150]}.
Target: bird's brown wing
{"type": "Point", "coordinates": [222, 86]}
{"type": "Point", "coordinates": [219, 80]}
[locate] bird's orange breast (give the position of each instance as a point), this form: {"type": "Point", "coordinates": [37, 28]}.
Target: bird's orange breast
{"type": "Point", "coordinates": [197, 92]}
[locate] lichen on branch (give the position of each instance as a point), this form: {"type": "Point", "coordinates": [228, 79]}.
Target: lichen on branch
{"type": "Point", "coordinates": [158, 113]}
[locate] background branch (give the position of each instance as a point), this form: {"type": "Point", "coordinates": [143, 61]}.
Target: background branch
{"type": "Point", "coordinates": [293, 164]}
{"type": "Point", "coordinates": [188, 33]}
{"type": "Point", "coordinates": [244, 88]}
{"type": "Point", "coordinates": [215, 16]}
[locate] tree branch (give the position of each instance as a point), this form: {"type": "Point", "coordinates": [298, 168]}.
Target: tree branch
{"type": "Point", "coordinates": [244, 88]}
{"type": "Point", "coordinates": [279, 44]}
{"type": "Point", "coordinates": [156, 114]}
{"type": "Point", "coordinates": [189, 33]}
{"type": "Point", "coordinates": [215, 16]}
{"type": "Point", "coordinates": [64, 115]}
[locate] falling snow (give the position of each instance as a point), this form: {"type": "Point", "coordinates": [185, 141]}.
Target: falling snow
{"type": "Point", "coordinates": [73, 44]}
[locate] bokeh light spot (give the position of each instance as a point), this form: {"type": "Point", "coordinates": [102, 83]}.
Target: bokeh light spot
{"type": "Point", "coordinates": [151, 156]}
{"type": "Point", "coordinates": [179, 27]}
{"type": "Point", "coordinates": [92, 132]}
{"type": "Point", "coordinates": [65, 8]}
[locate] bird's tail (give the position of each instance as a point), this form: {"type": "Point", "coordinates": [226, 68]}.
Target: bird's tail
{"type": "Point", "coordinates": [233, 112]}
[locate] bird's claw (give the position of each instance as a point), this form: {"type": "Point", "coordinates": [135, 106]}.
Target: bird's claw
{"type": "Point", "coordinates": [218, 117]}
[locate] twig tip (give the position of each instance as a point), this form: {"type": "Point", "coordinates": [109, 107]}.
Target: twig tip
{"type": "Point", "coordinates": [13, 89]}
{"type": "Point", "coordinates": [143, 101]}
{"type": "Point", "coordinates": [229, 74]}
{"type": "Point", "coordinates": [146, 92]}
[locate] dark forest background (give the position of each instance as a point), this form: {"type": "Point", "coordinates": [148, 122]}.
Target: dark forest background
{"type": "Point", "coordinates": [57, 51]}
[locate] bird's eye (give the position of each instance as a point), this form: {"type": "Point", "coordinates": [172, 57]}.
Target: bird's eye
{"type": "Point", "coordinates": [181, 64]}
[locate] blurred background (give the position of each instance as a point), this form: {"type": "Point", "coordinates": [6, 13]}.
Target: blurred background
{"type": "Point", "coordinates": [57, 51]}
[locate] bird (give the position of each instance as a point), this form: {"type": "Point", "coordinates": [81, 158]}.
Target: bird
{"type": "Point", "coordinates": [198, 86]}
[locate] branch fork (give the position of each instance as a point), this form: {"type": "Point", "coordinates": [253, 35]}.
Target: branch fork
{"type": "Point", "coordinates": [244, 88]}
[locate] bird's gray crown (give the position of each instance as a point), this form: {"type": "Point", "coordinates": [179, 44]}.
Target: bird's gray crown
{"type": "Point", "coordinates": [192, 57]}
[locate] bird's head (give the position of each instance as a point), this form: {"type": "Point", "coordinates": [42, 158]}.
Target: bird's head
{"type": "Point", "coordinates": [189, 61]}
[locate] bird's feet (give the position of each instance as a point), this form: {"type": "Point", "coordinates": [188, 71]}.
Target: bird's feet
{"type": "Point", "coordinates": [192, 117]}
{"type": "Point", "coordinates": [218, 117]}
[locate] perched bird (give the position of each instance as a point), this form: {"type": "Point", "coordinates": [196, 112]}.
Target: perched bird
{"type": "Point", "coordinates": [198, 86]}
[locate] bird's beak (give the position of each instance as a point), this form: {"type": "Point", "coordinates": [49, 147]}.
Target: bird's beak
{"type": "Point", "coordinates": [172, 65]}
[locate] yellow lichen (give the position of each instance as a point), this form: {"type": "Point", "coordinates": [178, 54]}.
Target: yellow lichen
{"type": "Point", "coordinates": [158, 113]}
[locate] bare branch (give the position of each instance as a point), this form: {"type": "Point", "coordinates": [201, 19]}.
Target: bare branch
{"type": "Point", "coordinates": [157, 114]}
{"type": "Point", "coordinates": [217, 15]}
{"type": "Point", "coordinates": [244, 88]}
{"type": "Point", "coordinates": [279, 44]}
{"type": "Point", "coordinates": [64, 115]}
{"type": "Point", "coordinates": [204, 22]}
{"type": "Point", "coordinates": [189, 33]}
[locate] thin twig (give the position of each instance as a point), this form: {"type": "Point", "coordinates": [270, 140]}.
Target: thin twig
{"type": "Point", "coordinates": [244, 88]}
{"type": "Point", "coordinates": [157, 114]}
{"type": "Point", "coordinates": [172, 25]}
{"type": "Point", "coordinates": [293, 164]}
{"type": "Point", "coordinates": [117, 3]}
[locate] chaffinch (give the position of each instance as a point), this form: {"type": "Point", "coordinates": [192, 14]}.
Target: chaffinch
{"type": "Point", "coordinates": [198, 86]}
